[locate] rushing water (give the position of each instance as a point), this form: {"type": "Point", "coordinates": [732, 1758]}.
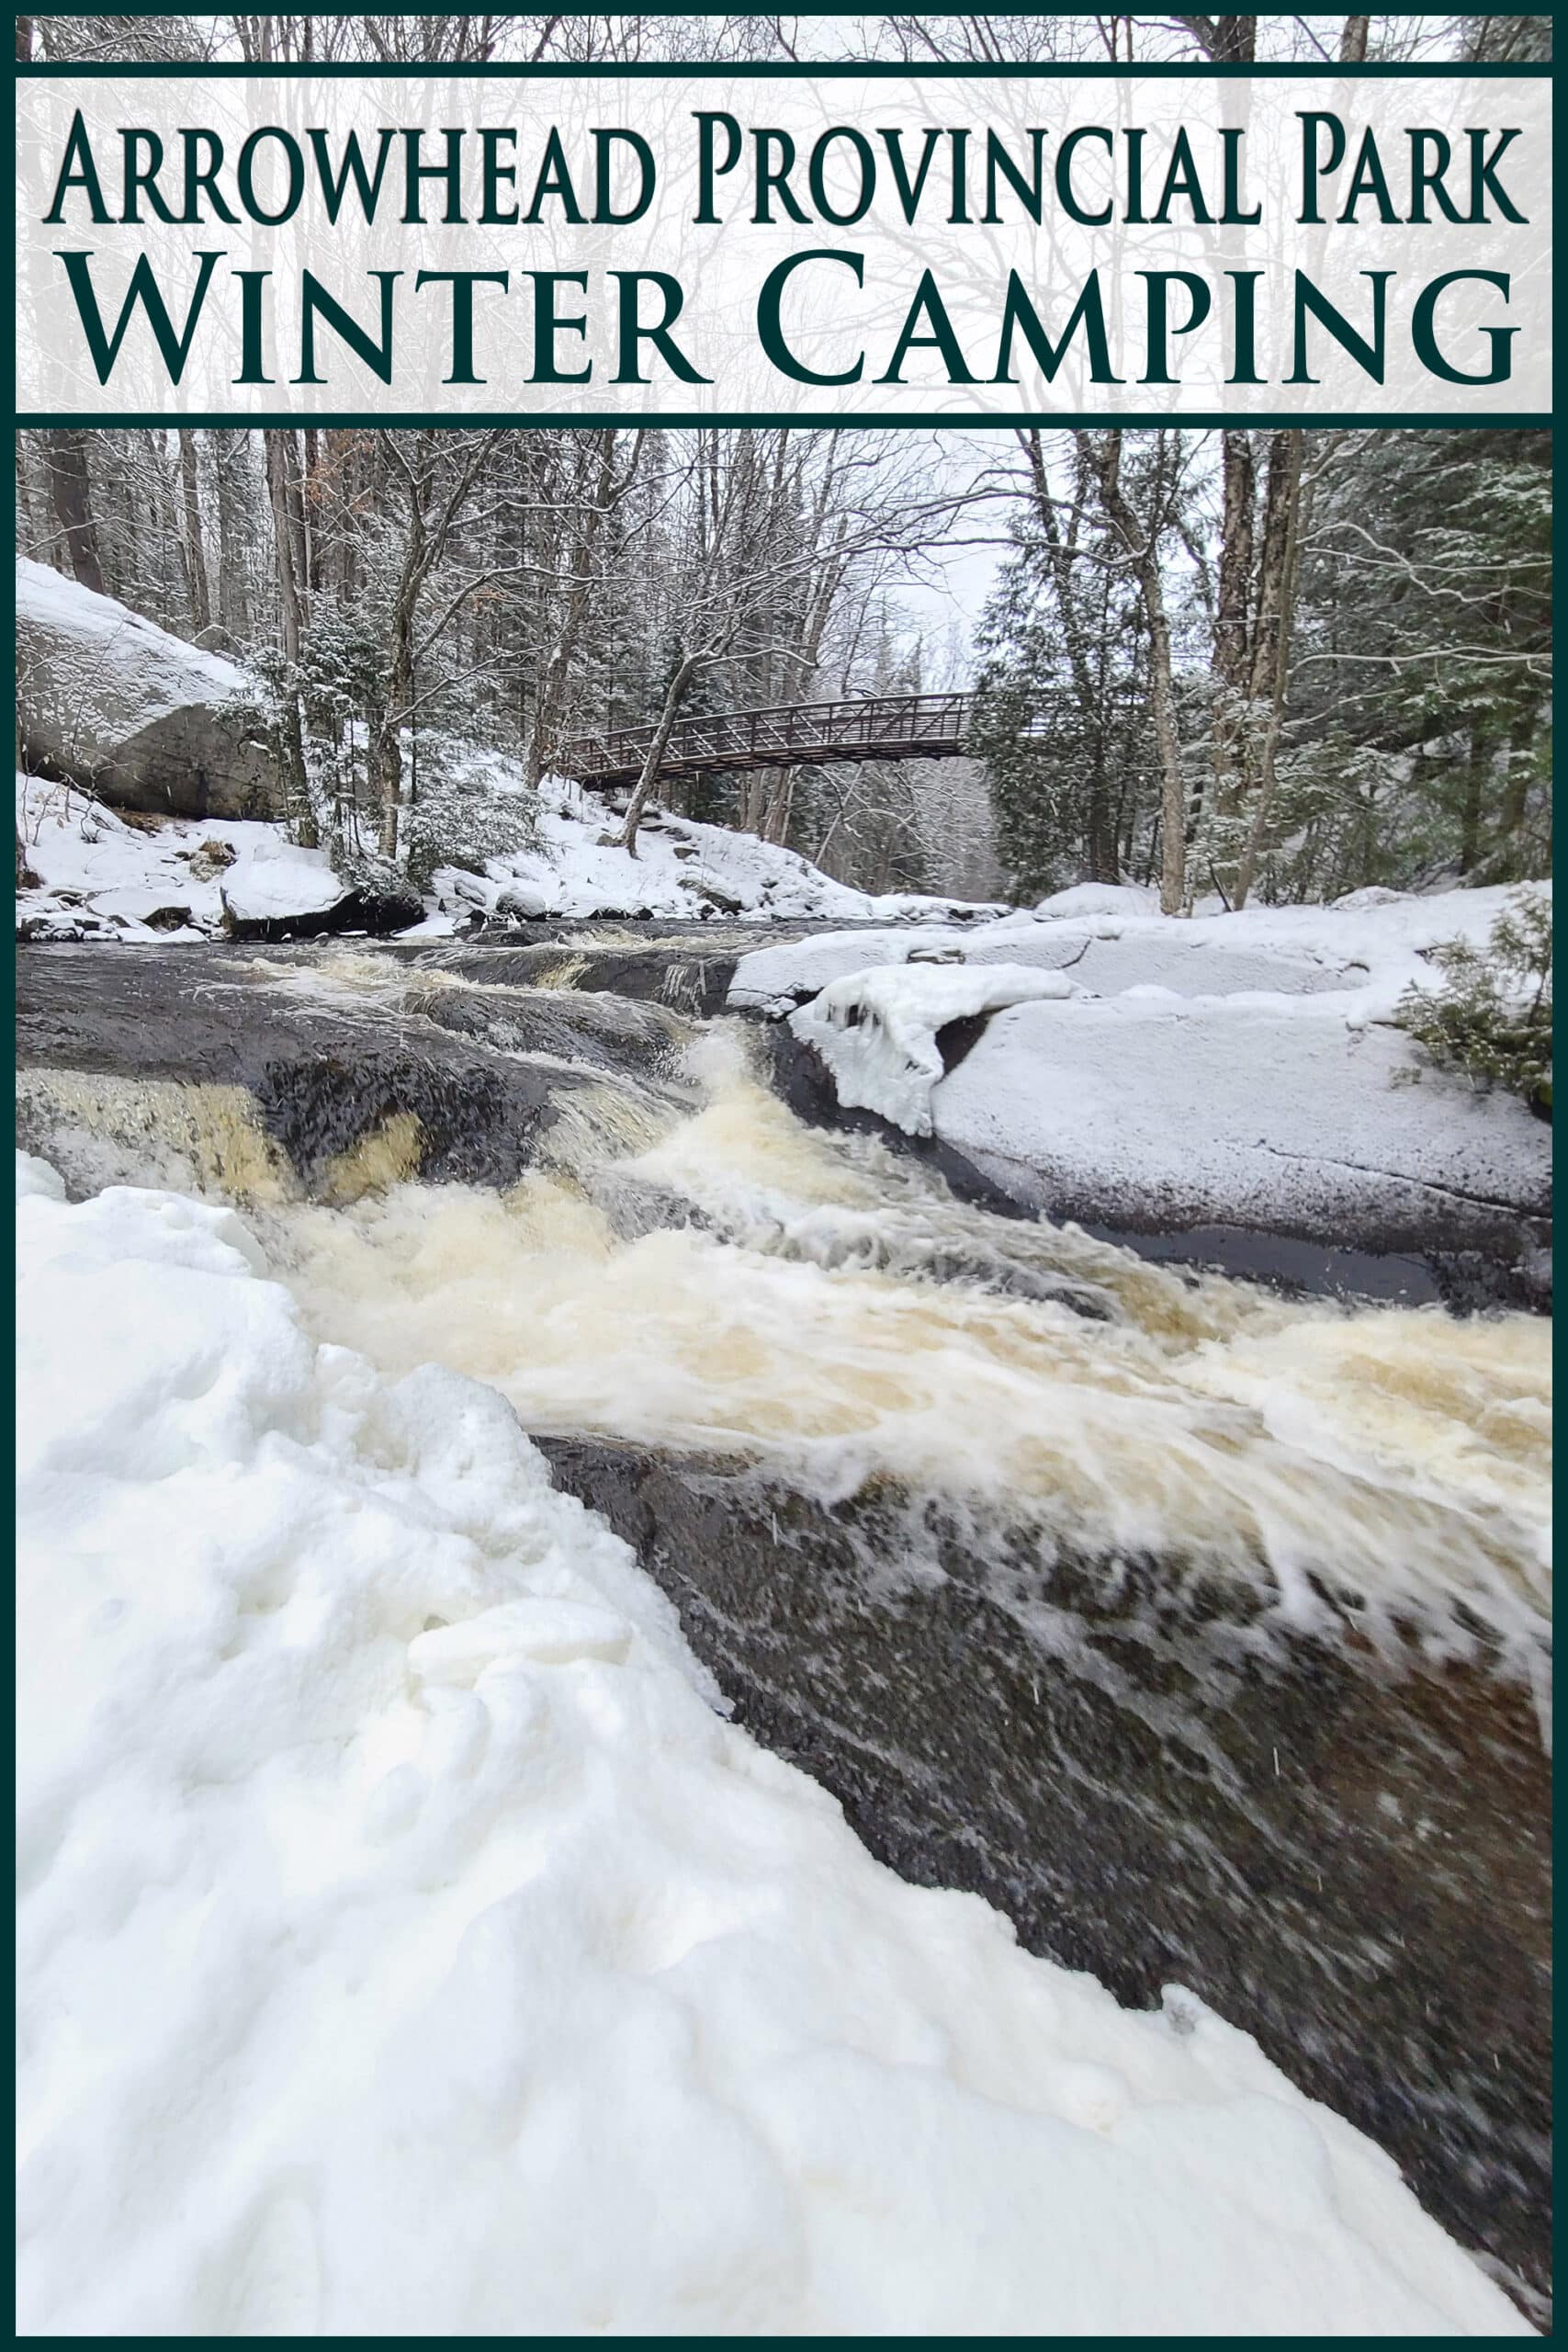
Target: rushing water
{"type": "Point", "coordinates": [689, 1266]}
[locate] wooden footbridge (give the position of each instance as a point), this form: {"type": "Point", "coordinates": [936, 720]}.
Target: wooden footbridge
{"type": "Point", "coordinates": [811, 734]}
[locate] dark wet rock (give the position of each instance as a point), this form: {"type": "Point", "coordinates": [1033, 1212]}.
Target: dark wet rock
{"type": "Point", "coordinates": [1346, 1858]}
{"type": "Point", "coordinates": [723, 901]}
{"type": "Point", "coordinates": [685, 974]}
{"type": "Point", "coordinates": [325, 1073]}
{"type": "Point", "coordinates": [634, 1207]}
{"type": "Point", "coordinates": [53, 928]}
{"type": "Point", "coordinates": [602, 1030]}
{"type": "Point", "coordinates": [376, 913]}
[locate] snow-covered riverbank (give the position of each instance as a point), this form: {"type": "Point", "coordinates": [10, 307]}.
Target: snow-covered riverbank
{"type": "Point", "coordinates": [409, 1946]}
{"type": "Point", "coordinates": [97, 874]}
{"type": "Point", "coordinates": [1235, 1068]}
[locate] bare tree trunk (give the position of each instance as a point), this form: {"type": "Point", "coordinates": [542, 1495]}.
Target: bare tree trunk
{"type": "Point", "coordinates": [278, 448]}
{"type": "Point", "coordinates": [1280, 497]}
{"type": "Point", "coordinates": [24, 496]}
{"type": "Point", "coordinates": [190, 516]}
{"type": "Point", "coordinates": [1142, 548]}
{"type": "Point", "coordinates": [71, 490]}
{"type": "Point", "coordinates": [552, 689]}
{"type": "Point", "coordinates": [1474, 797]}
{"type": "Point", "coordinates": [1516, 782]}
{"type": "Point", "coordinates": [290, 587]}
{"type": "Point", "coordinates": [1282, 601]}
{"type": "Point", "coordinates": [399, 684]}
{"type": "Point", "coordinates": [309, 515]}
{"type": "Point", "coordinates": [233, 608]}
{"type": "Point", "coordinates": [780, 804]}
{"type": "Point", "coordinates": [1353, 40]}
{"type": "Point", "coordinates": [1232, 663]}
{"type": "Point", "coordinates": [674, 695]}
{"type": "Point", "coordinates": [1229, 41]}
{"type": "Point", "coordinates": [755, 802]}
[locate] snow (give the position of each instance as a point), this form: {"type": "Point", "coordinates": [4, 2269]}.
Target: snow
{"type": "Point", "coordinates": [1229, 1068]}
{"type": "Point", "coordinates": [122, 672]}
{"type": "Point", "coordinates": [408, 1946]}
{"type": "Point", "coordinates": [102, 875]}
{"type": "Point", "coordinates": [1364, 955]}
{"type": "Point", "coordinates": [877, 1030]}
{"type": "Point", "coordinates": [1101, 898]}
{"type": "Point", "coordinates": [1243, 1118]}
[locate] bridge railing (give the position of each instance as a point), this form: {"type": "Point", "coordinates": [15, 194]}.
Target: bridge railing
{"type": "Point", "coordinates": [853, 726]}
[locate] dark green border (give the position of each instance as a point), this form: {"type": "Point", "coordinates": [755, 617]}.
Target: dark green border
{"type": "Point", "coordinates": [826, 9]}
{"type": "Point", "coordinates": [784, 70]}
{"type": "Point", "coordinates": [592, 420]}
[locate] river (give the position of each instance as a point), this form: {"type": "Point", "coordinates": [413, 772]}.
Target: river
{"type": "Point", "coordinates": [1112, 1587]}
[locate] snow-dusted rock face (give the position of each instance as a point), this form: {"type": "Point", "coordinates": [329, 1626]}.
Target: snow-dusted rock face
{"type": "Point", "coordinates": [116, 704]}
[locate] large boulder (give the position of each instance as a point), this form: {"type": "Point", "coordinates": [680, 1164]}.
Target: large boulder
{"type": "Point", "coordinates": [107, 700]}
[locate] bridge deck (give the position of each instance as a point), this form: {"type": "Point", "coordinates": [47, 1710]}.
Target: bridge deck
{"type": "Point", "coordinates": [875, 727]}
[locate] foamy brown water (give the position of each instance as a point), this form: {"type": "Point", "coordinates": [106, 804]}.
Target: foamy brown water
{"type": "Point", "coordinates": [832, 1312]}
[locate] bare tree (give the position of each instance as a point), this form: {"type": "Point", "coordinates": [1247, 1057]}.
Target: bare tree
{"type": "Point", "coordinates": [283, 497]}
{"type": "Point", "coordinates": [190, 516]}
{"type": "Point", "coordinates": [435, 480]}
{"type": "Point", "coordinates": [1140, 539]}
{"type": "Point", "coordinates": [71, 490]}
{"type": "Point", "coordinates": [610, 487]}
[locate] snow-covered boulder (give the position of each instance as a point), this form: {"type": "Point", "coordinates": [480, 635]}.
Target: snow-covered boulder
{"type": "Point", "coordinates": [1374, 895]}
{"type": "Point", "coordinates": [1150, 1112]}
{"type": "Point", "coordinates": [113, 702]}
{"type": "Point", "coordinates": [279, 891]}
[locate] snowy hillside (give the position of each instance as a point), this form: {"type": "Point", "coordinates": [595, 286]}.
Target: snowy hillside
{"type": "Point", "coordinates": [408, 1945]}
{"type": "Point", "coordinates": [682, 870]}
{"type": "Point", "coordinates": [102, 874]}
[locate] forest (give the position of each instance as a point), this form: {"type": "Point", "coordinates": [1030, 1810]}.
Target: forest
{"type": "Point", "coordinates": [1284, 664]}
